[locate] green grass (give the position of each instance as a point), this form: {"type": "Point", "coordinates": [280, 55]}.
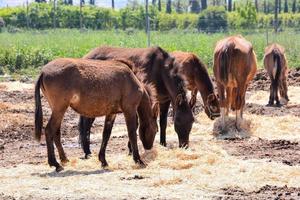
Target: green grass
{"type": "Point", "coordinates": [27, 51]}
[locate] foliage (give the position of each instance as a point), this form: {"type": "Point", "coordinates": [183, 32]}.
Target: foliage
{"type": "Point", "coordinates": [213, 19]}
{"type": "Point", "coordinates": [27, 50]}
{"type": "Point", "coordinates": [245, 17]}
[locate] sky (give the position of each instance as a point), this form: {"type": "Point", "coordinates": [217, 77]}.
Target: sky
{"type": "Point", "coordinates": [102, 3]}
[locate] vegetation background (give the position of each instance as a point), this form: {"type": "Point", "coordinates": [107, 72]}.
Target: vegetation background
{"type": "Point", "coordinates": [33, 34]}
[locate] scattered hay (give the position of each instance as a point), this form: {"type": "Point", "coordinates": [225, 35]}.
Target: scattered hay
{"type": "Point", "coordinates": [168, 182]}
{"type": "Point", "coordinates": [16, 86]}
{"type": "Point", "coordinates": [230, 131]}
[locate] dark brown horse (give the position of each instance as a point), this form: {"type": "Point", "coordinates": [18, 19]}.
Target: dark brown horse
{"type": "Point", "coordinates": [160, 70]}
{"type": "Point", "coordinates": [275, 63]}
{"type": "Point", "coordinates": [94, 88]}
{"type": "Point", "coordinates": [234, 67]}
{"type": "Point", "coordinates": [197, 79]}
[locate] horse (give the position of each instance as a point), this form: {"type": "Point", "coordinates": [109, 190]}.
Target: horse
{"type": "Point", "coordinates": [94, 88]}
{"type": "Point", "coordinates": [275, 64]}
{"type": "Point", "coordinates": [196, 78]}
{"type": "Point", "coordinates": [160, 69]}
{"type": "Point", "coordinates": [234, 67]}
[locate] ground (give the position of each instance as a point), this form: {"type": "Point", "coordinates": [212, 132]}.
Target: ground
{"type": "Point", "coordinates": [260, 162]}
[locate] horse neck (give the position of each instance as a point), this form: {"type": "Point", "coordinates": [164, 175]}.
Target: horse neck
{"type": "Point", "coordinates": [204, 83]}
{"type": "Point", "coordinates": [144, 109]}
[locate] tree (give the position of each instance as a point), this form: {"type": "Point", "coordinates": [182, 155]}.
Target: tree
{"type": "Point", "coordinates": [113, 4]}
{"type": "Point", "coordinates": [178, 6]}
{"type": "Point", "coordinates": [40, 1]}
{"type": "Point", "coordinates": [159, 5]}
{"type": "Point", "coordinates": [279, 6]}
{"type": "Point", "coordinates": [294, 6]}
{"type": "Point", "coordinates": [256, 5]}
{"type": "Point", "coordinates": [265, 7]}
{"type": "Point", "coordinates": [153, 2]}
{"type": "Point", "coordinates": [276, 15]}
{"type": "Point", "coordinates": [195, 6]}
{"type": "Point", "coordinates": [92, 2]}
{"type": "Point", "coordinates": [68, 2]}
{"type": "Point", "coordinates": [286, 6]}
{"type": "Point", "coordinates": [203, 4]}
{"type": "Point", "coordinates": [169, 6]}
{"type": "Point", "coordinates": [229, 5]}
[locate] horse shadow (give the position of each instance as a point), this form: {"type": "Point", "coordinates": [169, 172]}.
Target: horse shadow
{"type": "Point", "coordinates": [230, 131]}
{"type": "Point", "coordinates": [68, 173]}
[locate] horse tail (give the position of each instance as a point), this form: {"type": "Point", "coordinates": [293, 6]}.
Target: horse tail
{"type": "Point", "coordinates": [224, 61]}
{"type": "Point", "coordinates": [277, 65]}
{"type": "Point", "coordinates": [38, 120]}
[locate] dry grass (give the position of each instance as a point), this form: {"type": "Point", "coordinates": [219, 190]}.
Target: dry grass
{"type": "Point", "coordinates": [15, 86]}
{"type": "Point", "coordinates": [172, 173]}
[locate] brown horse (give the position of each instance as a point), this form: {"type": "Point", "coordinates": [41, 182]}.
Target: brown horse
{"type": "Point", "coordinates": [160, 70]}
{"type": "Point", "coordinates": [234, 67]}
{"type": "Point", "coordinates": [94, 88]}
{"type": "Point", "coordinates": [276, 65]}
{"type": "Point", "coordinates": [197, 79]}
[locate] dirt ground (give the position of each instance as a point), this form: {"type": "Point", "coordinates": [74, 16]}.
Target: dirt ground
{"type": "Point", "coordinates": [260, 162]}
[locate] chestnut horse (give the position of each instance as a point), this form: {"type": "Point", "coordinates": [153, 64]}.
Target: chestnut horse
{"type": "Point", "coordinates": [196, 77]}
{"type": "Point", "coordinates": [275, 63]}
{"type": "Point", "coordinates": [94, 88]}
{"type": "Point", "coordinates": [234, 67]}
{"type": "Point", "coordinates": [161, 71]}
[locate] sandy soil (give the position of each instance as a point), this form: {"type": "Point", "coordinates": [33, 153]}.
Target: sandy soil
{"type": "Point", "coordinates": [260, 162]}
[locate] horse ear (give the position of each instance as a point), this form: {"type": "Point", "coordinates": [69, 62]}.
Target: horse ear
{"type": "Point", "coordinates": [179, 99]}
{"type": "Point", "coordinates": [155, 110]}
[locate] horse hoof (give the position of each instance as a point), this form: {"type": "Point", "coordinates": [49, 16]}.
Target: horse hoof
{"type": "Point", "coordinates": [104, 164]}
{"type": "Point", "coordinates": [87, 156]}
{"type": "Point", "coordinates": [278, 105]}
{"type": "Point", "coordinates": [141, 163]}
{"type": "Point", "coordinates": [163, 144]}
{"type": "Point", "coordinates": [270, 105]}
{"type": "Point", "coordinates": [59, 169]}
{"type": "Point", "coordinates": [64, 161]}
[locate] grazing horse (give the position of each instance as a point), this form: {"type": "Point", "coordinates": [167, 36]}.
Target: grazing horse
{"type": "Point", "coordinates": [161, 71]}
{"type": "Point", "coordinates": [92, 89]}
{"type": "Point", "coordinates": [196, 77]}
{"type": "Point", "coordinates": [276, 65]}
{"type": "Point", "coordinates": [234, 67]}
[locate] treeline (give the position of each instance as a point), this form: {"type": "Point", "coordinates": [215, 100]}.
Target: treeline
{"type": "Point", "coordinates": [212, 19]}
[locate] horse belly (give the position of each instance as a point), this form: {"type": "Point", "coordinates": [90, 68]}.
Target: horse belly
{"type": "Point", "coordinates": [93, 107]}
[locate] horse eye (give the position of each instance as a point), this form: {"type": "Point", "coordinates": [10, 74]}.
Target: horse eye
{"type": "Point", "coordinates": [213, 108]}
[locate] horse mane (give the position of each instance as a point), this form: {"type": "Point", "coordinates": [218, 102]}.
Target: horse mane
{"type": "Point", "coordinates": [201, 70]}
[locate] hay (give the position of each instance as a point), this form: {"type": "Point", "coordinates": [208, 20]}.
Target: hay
{"type": "Point", "coordinates": [230, 131]}
{"type": "Point", "coordinates": [172, 173]}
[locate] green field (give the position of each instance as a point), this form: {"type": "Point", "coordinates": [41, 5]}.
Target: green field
{"type": "Point", "coordinates": [24, 52]}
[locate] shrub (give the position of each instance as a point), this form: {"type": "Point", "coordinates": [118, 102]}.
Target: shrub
{"type": "Point", "coordinates": [213, 19]}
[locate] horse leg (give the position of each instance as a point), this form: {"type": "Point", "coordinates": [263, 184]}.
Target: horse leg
{"type": "Point", "coordinates": [61, 152]}
{"type": "Point", "coordinates": [276, 93]}
{"type": "Point", "coordinates": [240, 101]}
{"type": "Point", "coordinates": [229, 94]}
{"type": "Point", "coordinates": [51, 129]}
{"type": "Point", "coordinates": [128, 144]}
{"type": "Point", "coordinates": [283, 89]}
{"type": "Point", "coordinates": [85, 125]}
{"type": "Point", "coordinates": [108, 124]}
{"type": "Point", "coordinates": [271, 98]}
{"type": "Point", "coordinates": [193, 98]}
{"type": "Point", "coordinates": [130, 119]}
{"type": "Point", "coordinates": [164, 107]}
{"type": "Point", "coordinates": [221, 92]}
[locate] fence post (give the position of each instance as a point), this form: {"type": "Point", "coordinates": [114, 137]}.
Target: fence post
{"type": "Point", "coordinates": [147, 24]}
{"type": "Point", "coordinates": [267, 35]}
